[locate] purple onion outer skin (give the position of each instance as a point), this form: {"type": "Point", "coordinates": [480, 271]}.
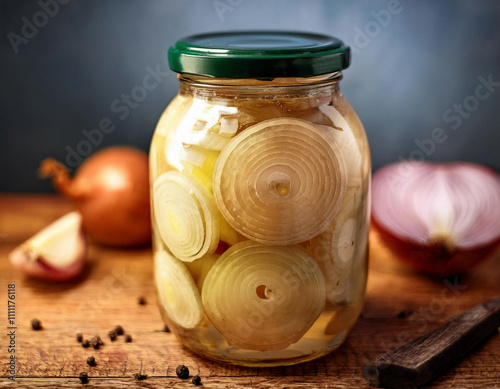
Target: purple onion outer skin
{"type": "Point", "coordinates": [41, 269]}
{"type": "Point", "coordinates": [435, 260]}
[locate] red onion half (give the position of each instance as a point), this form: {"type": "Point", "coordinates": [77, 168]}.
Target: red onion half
{"type": "Point", "coordinates": [441, 219]}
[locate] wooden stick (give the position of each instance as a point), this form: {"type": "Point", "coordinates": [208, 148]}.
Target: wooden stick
{"type": "Point", "coordinates": [426, 357]}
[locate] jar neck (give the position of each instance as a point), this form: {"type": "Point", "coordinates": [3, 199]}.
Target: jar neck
{"type": "Point", "coordinates": [202, 86]}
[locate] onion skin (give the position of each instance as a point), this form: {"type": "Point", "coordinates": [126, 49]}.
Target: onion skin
{"type": "Point", "coordinates": [30, 263]}
{"type": "Point", "coordinates": [111, 191]}
{"type": "Point", "coordinates": [451, 252]}
{"type": "Point", "coordinates": [33, 259]}
{"type": "Point", "coordinates": [435, 259]}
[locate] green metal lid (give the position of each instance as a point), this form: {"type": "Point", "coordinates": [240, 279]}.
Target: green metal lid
{"type": "Point", "coordinates": [259, 54]}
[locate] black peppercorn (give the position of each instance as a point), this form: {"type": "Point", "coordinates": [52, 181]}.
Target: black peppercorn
{"type": "Point", "coordinates": [128, 338]}
{"type": "Point", "coordinates": [86, 343]}
{"type": "Point", "coordinates": [196, 380]}
{"type": "Point", "coordinates": [79, 337]}
{"type": "Point", "coordinates": [182, 372]}
{"type": "Point", "coordinates": [112, 335]}
{"type": "Point", "coordinates": [119, 330]}
{"type": "Point", "coordinates": [84, 378]}
{"type": "Point", "coordinates": [95, 343]}
{"type": "Point", "coordinates": [140, 377]}
{"type": "Point", "coordinates": [142, 300]}
{"type": "Point", "coordinates": [91, 361]}
{"type": "Point", "coordinates": [99, 340]}
{"type": "Point", "coordinates": [36, 324]}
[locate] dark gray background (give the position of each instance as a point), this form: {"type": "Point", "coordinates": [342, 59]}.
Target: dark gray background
{"type": "Point", "coordinates": [403, 79]}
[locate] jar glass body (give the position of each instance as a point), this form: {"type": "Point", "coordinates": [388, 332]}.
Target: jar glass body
{"type": "Point", "coordinates": [260, 200]}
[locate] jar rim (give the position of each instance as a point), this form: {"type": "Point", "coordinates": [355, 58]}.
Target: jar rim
{"type": "Point", "coordinates": [259, 54]}
{"type": "Point", "coordinates": [295, 83]}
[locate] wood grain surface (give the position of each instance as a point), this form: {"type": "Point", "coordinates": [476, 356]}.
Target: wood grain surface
{"type": "Point", "coordinates": [400, 305]}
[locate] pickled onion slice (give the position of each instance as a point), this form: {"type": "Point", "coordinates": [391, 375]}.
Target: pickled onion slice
{"type": "Point", "coordinates": [201, 125]}
{"type": "Point", "coordinates": [199, 162]}
{"type": "Point", "coordinates": [280, 181]}
{"type": "Point", "coordinates": [350, 231]}
{"type": "Point", "coordinates": [345, 139]}
{"type": "Point", "coordinates": [341, 250]}
{"type": "Point", "coordinates": [263, 297]}
{"type": "Point", "coordinates": [172, 116]}
{"type": "Point", "coordinates": [186, 215]}
{"type": "Point", "coordinates": [177, 292]}
{"type": "Point", "coordinates": [199, 268]}
{"type": "Point", "coordinates": [350, 248]}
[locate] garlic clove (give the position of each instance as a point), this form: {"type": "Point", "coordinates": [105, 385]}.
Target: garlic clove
{"type": "Point", "coordinates": [56, 253]}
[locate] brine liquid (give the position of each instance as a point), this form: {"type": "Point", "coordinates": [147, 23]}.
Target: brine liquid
{"type": "Point", "coordinates": [193, 138]}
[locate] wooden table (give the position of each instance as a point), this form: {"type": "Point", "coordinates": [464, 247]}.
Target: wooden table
{"type": "Point", "coordinates": [400, 305]}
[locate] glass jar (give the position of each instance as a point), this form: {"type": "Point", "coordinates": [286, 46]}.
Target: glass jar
{"type": "Point", "coordinates": [260, 182]}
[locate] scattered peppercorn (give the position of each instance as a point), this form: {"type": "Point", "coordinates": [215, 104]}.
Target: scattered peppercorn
{"type": "Point", "coordinates": [182, 372]}
{"type": "Point", "coordinates": [140, 377]}
{"type": "Point", "coordinates": [84, 378]}
{"type": "Point", "coordinates": [36, 324]}
{"type": "Point", "coordinates": [128, 338]}
{"type": "Point", "coordinates": [119, 330]}
{"type": "Point", "coordinates": [79, 337]}
{"type": "Point", "coordinates": [86, 343]}
{"type": "Point", "coordinates": [91, 361]}
{"type": "Point", "coordinates": [405, 313]}
{"type": "Point", "coordinates": [95, 343]}
{"type": "Point", "coordinates": [99, 340]}
{"type": "Point", "coordinates": [112, 335]}
{"type": "Point", "coordinates": [166, 329]}
{"type": "Point", "coordinates": [196, 380]}
{"type": "Point", "coordinates": [142, 300]}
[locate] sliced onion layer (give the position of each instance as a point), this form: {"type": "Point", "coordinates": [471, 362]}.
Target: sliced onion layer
{"type": "Point", "coordinates": [204, 125]}
{"type": "Point", "coordinates": [199, 162]}
{"type": "Point", "coordinates": [200, 268]}
{"type": "Point", "coordinates": [442, 219]}
{"type": "Point", "coordinates": [345, 138]}
{"type": "Point", "coordinates": [455, 204]}
{"type": "Point", "coordinates": [228, 234]}
{"type": "Point", "coordinates": [280, 181]}
{"type": "Point", "coordinates": [350, 250]}
{"type": "Point", "coordinates": [341, 250]}
{"type": "Point", "coordinates": [350, 231]}
{"type": "Point", "coordinates": [186, 215]}
{"type": "Point", "coordinates": [173, 115]}
{"type": "Point", "coordinates": [177, 292]}
{"type": "Point", "coordinates": [263, 297]}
